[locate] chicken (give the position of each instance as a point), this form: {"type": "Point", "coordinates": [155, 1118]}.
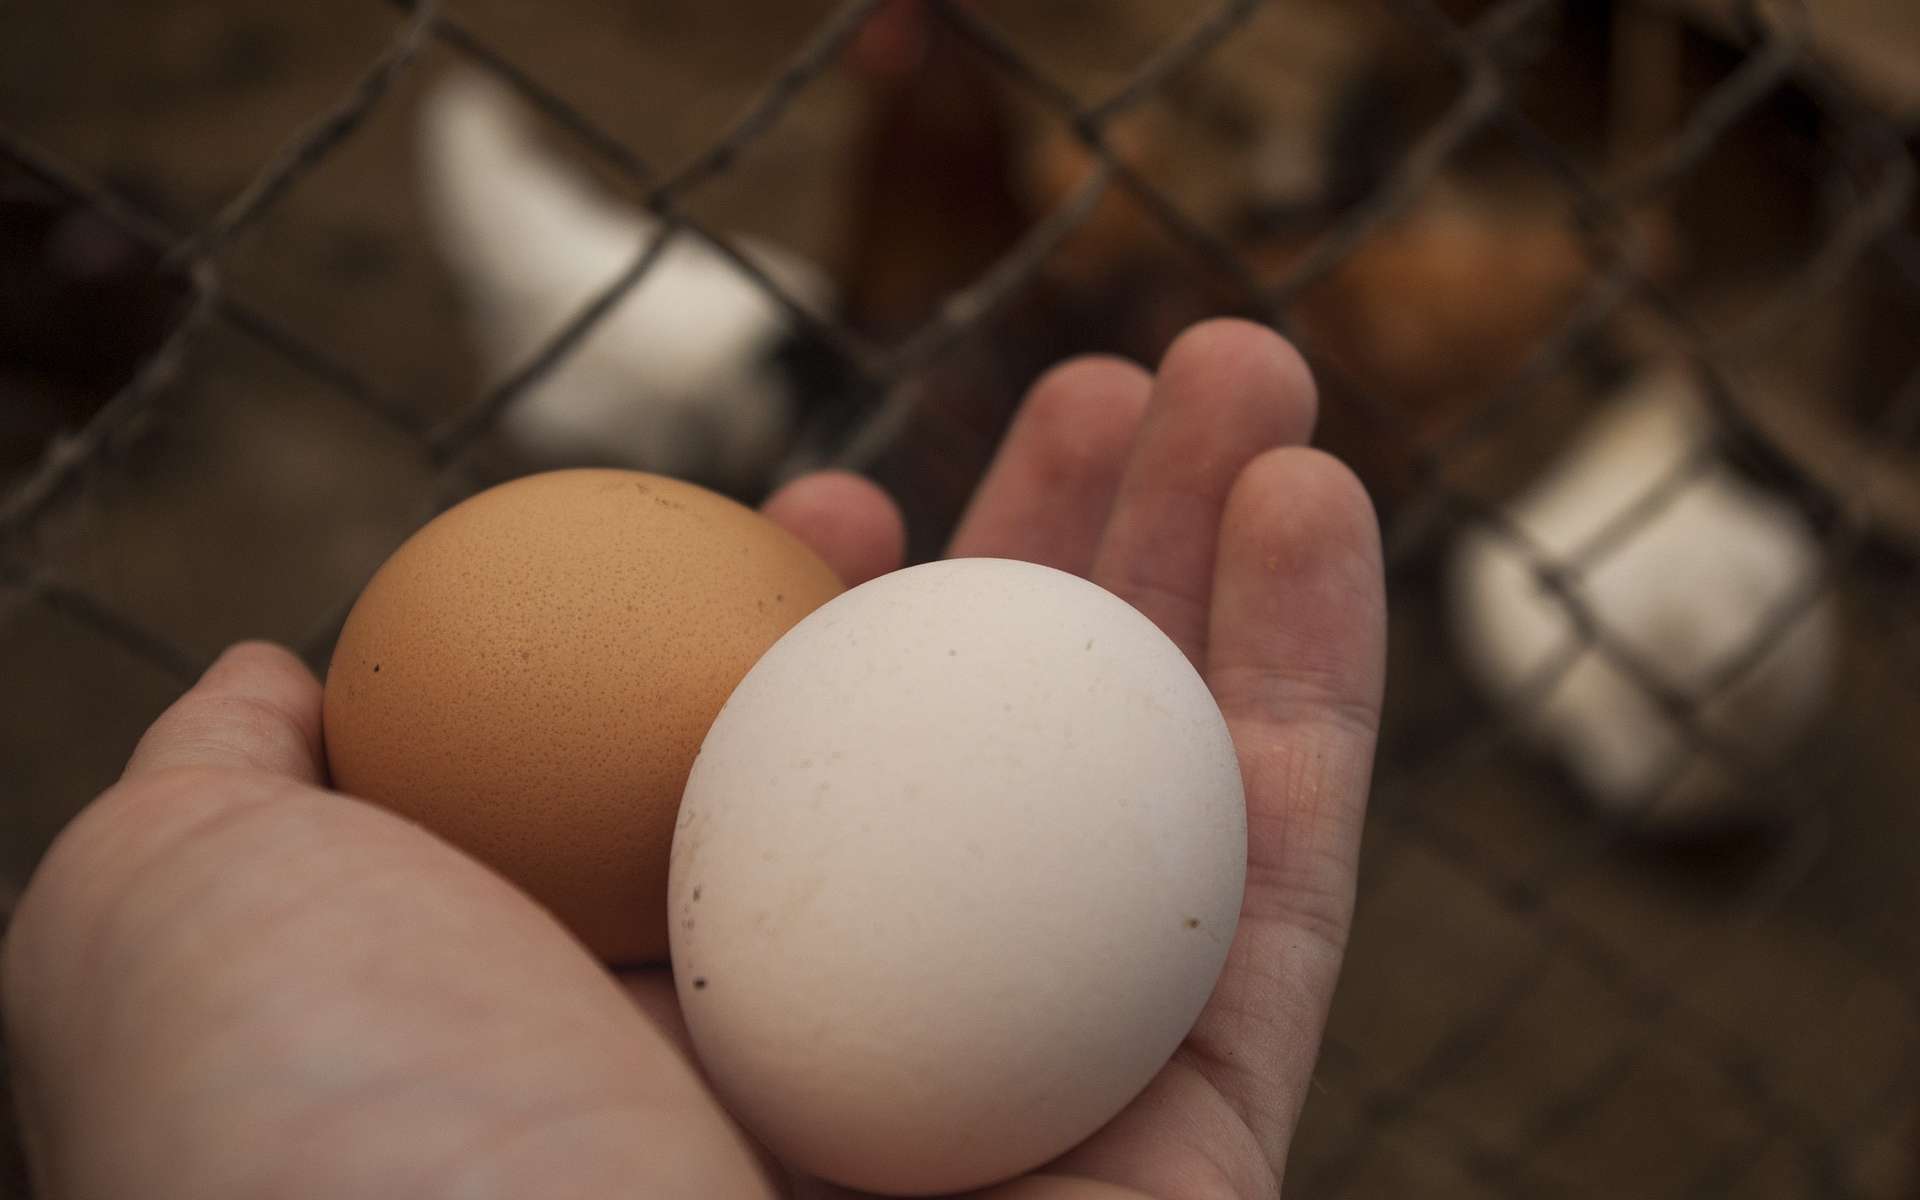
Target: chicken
{"type": "Point", "coordinates": [1434, 312]}
{"type": "Point", "coordinates": [1447, 301]}
{"type": "Point", "coordinates": [692, 373]}
{"type": "Point", "coordinates": [948, 176]}
{"type": "Point", "coordinates": [1685, 594]}
{"type": "Point", "coordinates": [1443, 300]}
{"type": "Point", "coordinates": [932, 201]}
{"type": "Point", "coordinates": [931, 206]}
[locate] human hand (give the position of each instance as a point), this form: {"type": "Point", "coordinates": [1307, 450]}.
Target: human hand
{"type": "Point", "coordinates": [227, 981]}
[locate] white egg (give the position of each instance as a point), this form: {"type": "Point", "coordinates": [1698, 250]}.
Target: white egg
{"type": "Point", "coordinates": [956, 870]}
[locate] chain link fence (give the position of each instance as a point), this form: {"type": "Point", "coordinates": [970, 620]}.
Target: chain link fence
{"type": "Point", "coordinates": [1543, 998]}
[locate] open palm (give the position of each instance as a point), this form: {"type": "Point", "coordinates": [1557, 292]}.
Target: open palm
{"type": "Point", "coordinates": [227, 981]}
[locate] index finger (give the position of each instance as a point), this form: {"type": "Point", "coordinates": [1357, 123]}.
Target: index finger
{"type": "Point", "coordinates": [257, 708]}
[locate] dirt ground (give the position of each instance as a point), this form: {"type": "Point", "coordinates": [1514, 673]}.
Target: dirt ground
{"type": "Point", "coordinates": [1531, 1006]}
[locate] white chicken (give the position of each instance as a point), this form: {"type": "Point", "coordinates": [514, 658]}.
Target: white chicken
{"type": "Point", "coordinates": [1686, 593]}
{"type": "Point", "coordinates": [687, 376]}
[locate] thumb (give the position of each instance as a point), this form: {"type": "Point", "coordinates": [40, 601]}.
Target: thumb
{"type": "Point", "coordinates": [257, 708]}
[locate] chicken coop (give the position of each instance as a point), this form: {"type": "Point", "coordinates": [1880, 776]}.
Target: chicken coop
{"type": "Point", "coordinates": [1612, 306]}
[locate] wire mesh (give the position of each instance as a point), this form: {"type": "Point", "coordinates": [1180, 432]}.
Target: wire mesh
{"type": "Point", "coordinates": [1406, 1118]}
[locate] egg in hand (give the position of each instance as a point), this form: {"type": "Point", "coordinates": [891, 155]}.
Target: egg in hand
{"type": "Point", "coordinates": [530, 675]}
{"type": "Point", "coordinates": [956, 872]}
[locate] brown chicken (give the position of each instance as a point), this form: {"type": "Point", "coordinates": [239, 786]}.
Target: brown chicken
{"type": "Point", "coordinates": [1434, 312]}
{"type": "Point", "coordinates": [933, 202]}
{"type": "Point", "coordinates": [1413, 330]}
{"type": "Point", "coordinates": [1443, 302]}
{"type": "Point", "coordinates": [947, 181]}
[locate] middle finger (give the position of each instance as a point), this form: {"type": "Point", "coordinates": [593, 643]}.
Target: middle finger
{"type": "Point", "coordinates": [1226, 391]}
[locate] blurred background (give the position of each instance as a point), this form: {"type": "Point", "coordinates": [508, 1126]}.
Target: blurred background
{"type": "Point", "coordinates": [1613, 304]}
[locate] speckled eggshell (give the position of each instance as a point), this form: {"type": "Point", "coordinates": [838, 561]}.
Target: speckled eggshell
{"type": "Point", "coordinates": [530, 675]}
{"type": "Point", "coordinates": [956, 871]}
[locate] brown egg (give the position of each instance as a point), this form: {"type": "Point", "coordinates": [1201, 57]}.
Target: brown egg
{"type": "Point", "coordinates": [531, 674]}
